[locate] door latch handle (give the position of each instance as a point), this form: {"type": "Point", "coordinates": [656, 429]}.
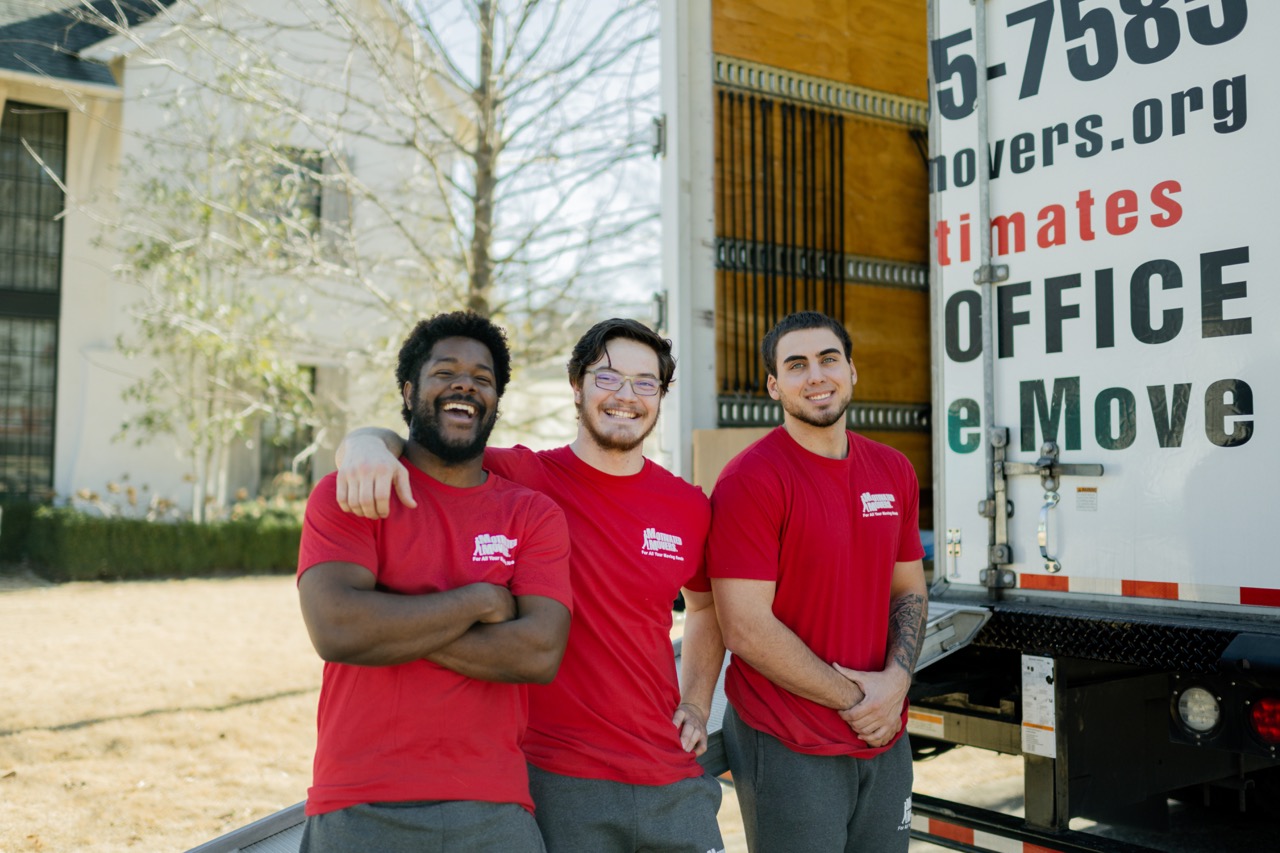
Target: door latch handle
{"type": "Point", "coordinates": [1051, 565]}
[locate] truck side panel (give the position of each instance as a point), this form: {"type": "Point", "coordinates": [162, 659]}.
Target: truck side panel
{"type": "Point", "coordinates": [1129, 200]}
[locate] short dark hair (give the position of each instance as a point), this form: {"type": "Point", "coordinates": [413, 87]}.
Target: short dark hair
{"type": "Point", "coordinates": [458, 324]}
{"type": "Point", "coordinates": [591, 347]}
{"type": "Point", "coordinates": [794, 323]}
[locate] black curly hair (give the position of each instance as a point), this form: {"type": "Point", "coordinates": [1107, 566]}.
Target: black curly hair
{"type": "Point", "coordinates": [591, 347]}
{"type": "Point", "coordinates": [457, 324]}
{"type": "Point", "coordinates": [796, 322]}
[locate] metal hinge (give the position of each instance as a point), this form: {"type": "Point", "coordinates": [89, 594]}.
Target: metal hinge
{"type": "Point", "coordinates": [658, 145]}
{"type": "Point", "coordinates": [991, 273]}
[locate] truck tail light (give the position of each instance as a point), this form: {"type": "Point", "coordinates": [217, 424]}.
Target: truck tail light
{"type": "Point", "coordinates": [1198, 711]}
{"type": "Point", "coordinates": [1264, 715]}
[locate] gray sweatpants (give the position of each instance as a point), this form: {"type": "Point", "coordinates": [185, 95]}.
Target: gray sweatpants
{"type": "Point", "coordinates": [817, 803]}
{"type": "Point", "coordinates": [436, 826]}
{"type": "Point", "coordinates": [596, 815]}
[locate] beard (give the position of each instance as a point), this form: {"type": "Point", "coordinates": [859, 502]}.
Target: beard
{"type": "Point", "coordinates": [425, 429]}
{"type": "Point", "coordinates": [621, 443]}
{"type": "Point", "coordinates": [821, 420]}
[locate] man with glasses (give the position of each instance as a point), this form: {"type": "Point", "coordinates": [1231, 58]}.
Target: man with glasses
{"type": "Point", "coordinates": [612, 741]}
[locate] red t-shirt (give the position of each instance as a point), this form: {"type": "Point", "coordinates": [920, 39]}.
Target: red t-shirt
{"type": "Point", "coordinates": [636, 541]}
{"type": "Point", "coordinates": [419, 731]}
{"type": "Point", "coordinates": [827, 532]}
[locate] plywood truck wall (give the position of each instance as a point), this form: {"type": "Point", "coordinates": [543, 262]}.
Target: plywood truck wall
{"type": "Point", "coordinates": [821, 202]}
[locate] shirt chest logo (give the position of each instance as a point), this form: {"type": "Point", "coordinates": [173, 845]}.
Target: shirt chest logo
{"type": "Point", "coordinates": [874, 506]}
{"type": "Point", "coordinates": [657, 544]}
{"type": "Point", "coordinates": [494, 548]}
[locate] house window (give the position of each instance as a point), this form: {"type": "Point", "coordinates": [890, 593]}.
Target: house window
{"type": "Point", "coordinates": [28, 350]}
{"type": "Point", "coordinates": [281, 442]}
{"type": "Point", "coordinates": [33, 144]}
{"type": "Point", "coordinates": [296, 189]}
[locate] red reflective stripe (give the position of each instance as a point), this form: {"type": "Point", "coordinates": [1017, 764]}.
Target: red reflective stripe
{"type": "Point", "coordinates": [1262, 597]}
{"type": "Point", "coordinates": [953, 832]}
{"type": "Point", "coordinates": [950, 831]}
{"type": "Point", "coordinates": [1053, 583]}
{"type": "Point", "coordinates": [1149, 589]}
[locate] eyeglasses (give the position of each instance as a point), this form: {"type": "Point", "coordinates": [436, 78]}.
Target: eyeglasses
{"type": "Point", "coordinates": [611, 380]}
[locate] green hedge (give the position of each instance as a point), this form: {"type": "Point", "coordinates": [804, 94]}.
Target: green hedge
{"type": "Point", "coordinates": [15, 529]}
{"type": "Point", "coordinates": [66, 544]}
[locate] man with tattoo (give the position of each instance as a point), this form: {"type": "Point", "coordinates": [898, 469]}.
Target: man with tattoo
{"type": "Point", "coordinates": [815, 560]}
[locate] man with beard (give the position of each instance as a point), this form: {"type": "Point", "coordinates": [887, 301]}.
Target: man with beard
{"type": "Point", "coordinates": [612, 743]}
{"type": "Point", "coordinates": [815, 560]}
{"type": "Point", "coordinates": [431, 621]}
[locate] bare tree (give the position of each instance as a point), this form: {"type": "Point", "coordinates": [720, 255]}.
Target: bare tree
{"type": "Point", "coordinates": [378, 160]}
{"type": "Point", "coordinates": [519, 125]}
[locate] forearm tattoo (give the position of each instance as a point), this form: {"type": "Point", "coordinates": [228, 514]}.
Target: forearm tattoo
{"type": "Point", "coordinates": [906, 627]}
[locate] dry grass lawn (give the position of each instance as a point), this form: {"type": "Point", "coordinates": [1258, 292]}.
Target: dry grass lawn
{"type": "Point", "coordinates": [150, 716]}
{"type": "Point", "coordinates": [157, 715]}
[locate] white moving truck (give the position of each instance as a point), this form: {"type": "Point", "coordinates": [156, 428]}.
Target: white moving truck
{"type": "Point", "coordinates": [1101, 280]}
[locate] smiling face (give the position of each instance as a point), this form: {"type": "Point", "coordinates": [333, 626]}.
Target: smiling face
{"type": "Point", "coordinates": [815, 378]}
{"type": "Point", "coordinates": [455, 403]}
{"type": "Point", "coordinates": [619, 420]}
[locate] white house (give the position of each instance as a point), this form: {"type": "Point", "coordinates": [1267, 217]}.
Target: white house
{"type": "Point", "coordinates": [84, 102]}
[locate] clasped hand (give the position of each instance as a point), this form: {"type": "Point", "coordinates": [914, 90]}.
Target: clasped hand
{"type": "Point", "coordinates": [878, 716]}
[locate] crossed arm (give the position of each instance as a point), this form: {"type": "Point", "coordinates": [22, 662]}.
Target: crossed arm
{"type": "Point", "coordinates": [479, 630]}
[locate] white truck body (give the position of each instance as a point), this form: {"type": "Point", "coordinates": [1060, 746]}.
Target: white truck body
{"type": "Point", "coordinates": [1131, 211]}
{"type": "Point", "coordinates": [1103, 378]}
